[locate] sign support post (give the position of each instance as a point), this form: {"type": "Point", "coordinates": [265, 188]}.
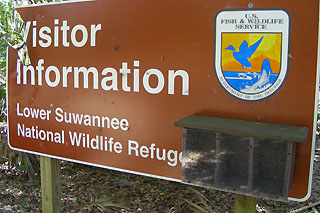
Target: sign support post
{"type": "Point", "coordinates": [50, 184]}
{"type": "Point", "coordinates": [245, 204]}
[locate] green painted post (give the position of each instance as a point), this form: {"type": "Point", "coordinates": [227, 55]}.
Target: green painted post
{"type": "Point", "coordinates": [245, 204]}
{"type": "Point", "coordinates": [50, 185]}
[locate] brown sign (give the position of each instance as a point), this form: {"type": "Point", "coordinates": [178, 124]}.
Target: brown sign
{"type": "Point", "coordinates": [108, 79]}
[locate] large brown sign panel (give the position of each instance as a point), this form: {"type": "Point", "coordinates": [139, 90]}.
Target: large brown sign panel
{"type": "Point", "coordinates": [108, 79]}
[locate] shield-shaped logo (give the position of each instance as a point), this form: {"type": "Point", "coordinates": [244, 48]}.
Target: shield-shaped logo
{"type": "Point", "coordinates": [251, 56]}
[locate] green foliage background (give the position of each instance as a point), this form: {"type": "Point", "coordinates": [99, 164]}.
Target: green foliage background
{"type": "Point", "coordinates": [12, 27]}
{"type": "Point", "coordinates": [11, 36]}
{"type": "Point", "coordinates": [11, 30]}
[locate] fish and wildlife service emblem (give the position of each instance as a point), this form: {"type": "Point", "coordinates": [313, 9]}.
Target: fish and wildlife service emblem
{"type": "Point", "coordinates": [251, 52]}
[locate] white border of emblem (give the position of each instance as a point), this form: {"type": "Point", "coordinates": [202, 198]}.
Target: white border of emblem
{"type": "Point", "coordinates": [282, 27]}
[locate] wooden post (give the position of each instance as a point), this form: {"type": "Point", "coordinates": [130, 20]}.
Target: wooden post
{"type": "Point", "coordinates": [245, 204]}
{"type": "Point", "coordinates": [50, 185]}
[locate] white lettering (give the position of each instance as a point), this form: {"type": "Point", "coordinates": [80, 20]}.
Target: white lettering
{"type": "Point", "coordinates": [33, 113]}
{"type": "Point", "coordinates": [185, 81]}
{"type": "Point", "coordinates": [94, 30]}
{"type": "Point", "coordinates": [85, 73]}
{"type": "Point", "coordinates": [171, 156]}
{"type": "Point", "coordinates": [125, 71]}
{"type": "Point", "coordinates": [112, 78]}
{"type": "Point", "coordinates": [46, 42]}
{"type": "Point", "coordinates": [146, 83]}
{"type": "Point", "coordinates": [79, 35]}
{"type": "Point", "coordinates": [57, 76]}
{"type": "Point", "coordinates": [84, 32]}
{"type": "Point", "coordinates": [153, 79]}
